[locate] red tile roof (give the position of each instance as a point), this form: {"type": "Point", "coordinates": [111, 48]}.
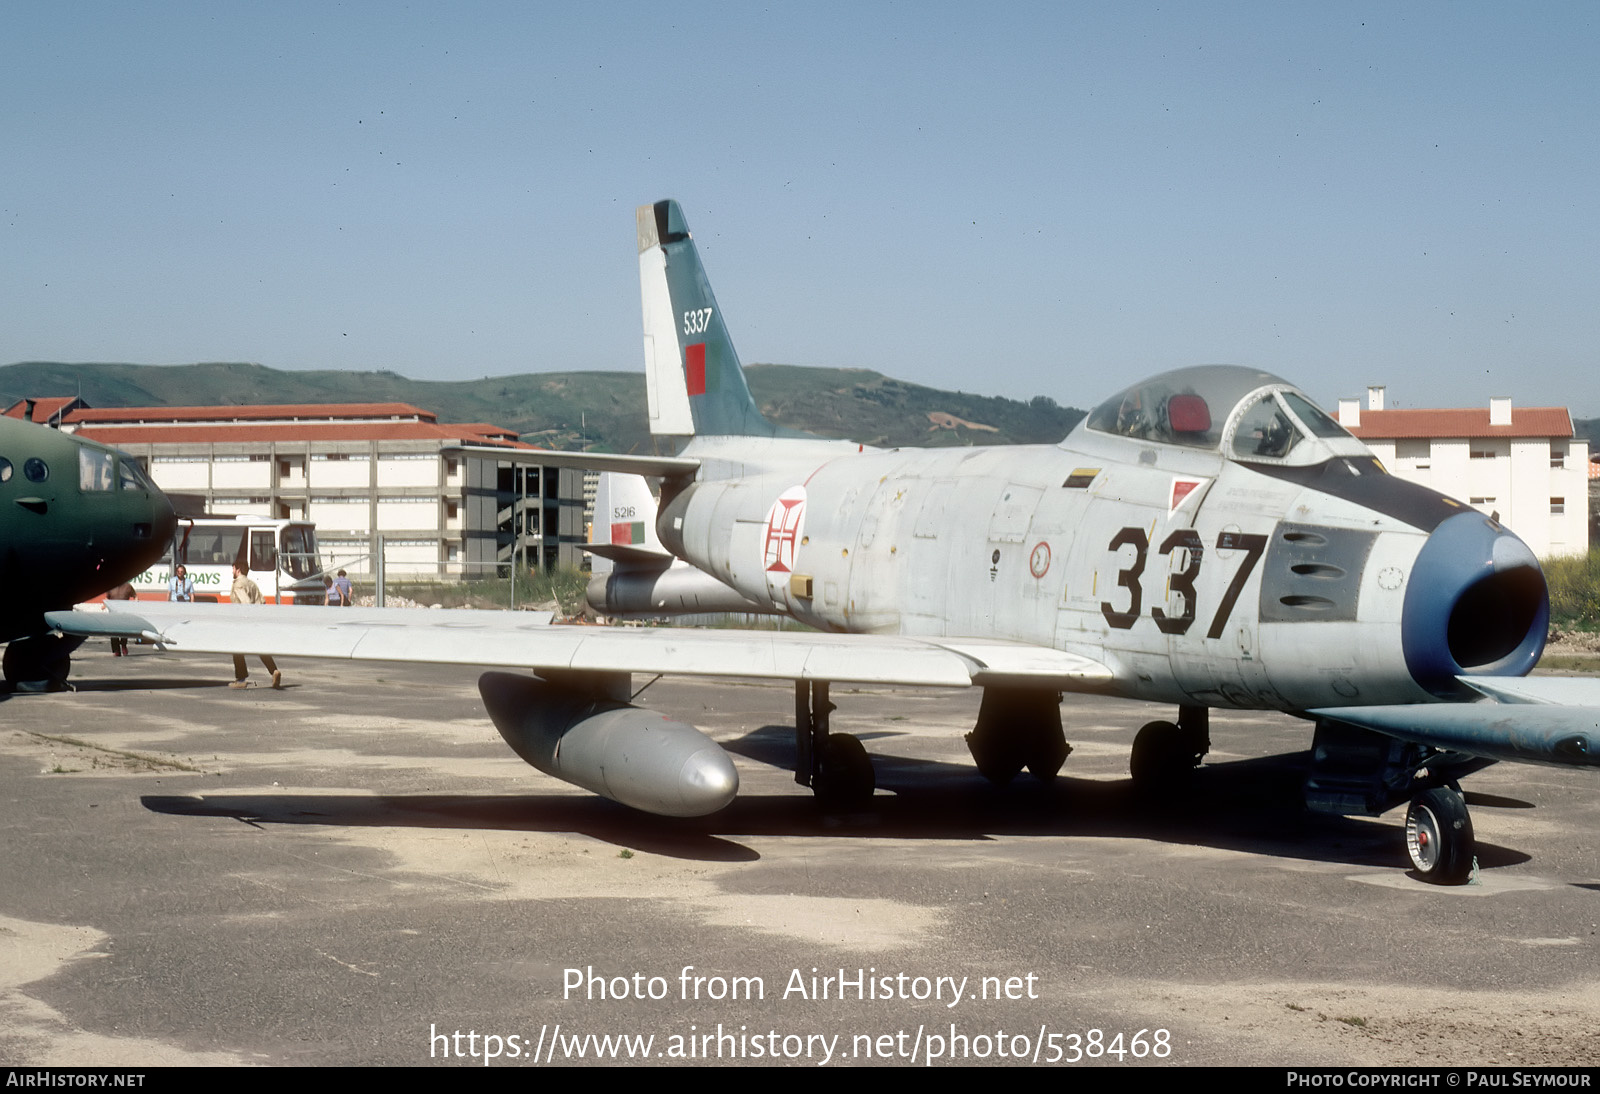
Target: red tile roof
{"type": "Point", "coordinates": [1471, 422]}
{"type": "Point", "coordinates": [293, 432]}
{"type": "Point", "coordinates": [44, 407]}
{"type": "Point", "coordinates": [252, 412]}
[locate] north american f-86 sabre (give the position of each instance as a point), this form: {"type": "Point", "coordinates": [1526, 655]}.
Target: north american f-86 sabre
{"type": "Point", "coordinates": [1207, 538]}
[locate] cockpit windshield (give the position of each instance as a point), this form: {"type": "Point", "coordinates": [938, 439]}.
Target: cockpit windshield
{"type": "Point", "coordinates": [1241, 412]}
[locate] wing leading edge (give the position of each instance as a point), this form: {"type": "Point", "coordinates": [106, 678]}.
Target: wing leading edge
{"type": "Point", "coordinates": [530, 640]}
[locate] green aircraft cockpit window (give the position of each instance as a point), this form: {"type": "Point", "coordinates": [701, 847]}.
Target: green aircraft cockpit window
{"type": "Point", "coordinates": [5, 469]}
{"type": "Point", "coordinates": [95, 470]}
{"type": "Point", "coordinates": [35, 469]}
{"type": "Point", "coordinates": [130, 476]}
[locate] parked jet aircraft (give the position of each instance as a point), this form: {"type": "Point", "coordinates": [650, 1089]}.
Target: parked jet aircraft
{"type": "Point", "coordinates": [76, 519]}
{"type": "Point", "coordinates": [644, 579]}
{"type": "Point", "coordinates": [1205, 538]}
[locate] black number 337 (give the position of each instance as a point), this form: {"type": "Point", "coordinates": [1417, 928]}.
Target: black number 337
{"type": "Point", "coordinates": [1253, 545]}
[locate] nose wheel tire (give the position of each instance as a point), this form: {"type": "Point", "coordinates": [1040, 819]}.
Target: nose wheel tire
{"type": "Point", "coordinates": [1439, 837]}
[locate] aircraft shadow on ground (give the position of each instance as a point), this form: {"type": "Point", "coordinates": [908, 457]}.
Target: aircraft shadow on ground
{"type": "Point", "coordinates": [1250, 805]}
{"type": "Point", "coordinates": [148, 683]}
{"type": "Point", "coordinates": [90, 687]}
{"type": "Point", "coordinates": [1254, 805]}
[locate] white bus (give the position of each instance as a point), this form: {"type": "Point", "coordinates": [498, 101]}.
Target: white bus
{"type": "Point", "coordinates": [281, 556]}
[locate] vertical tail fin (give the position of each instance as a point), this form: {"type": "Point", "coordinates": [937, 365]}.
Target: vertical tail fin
{"type": "Point", "coordinates": [624, 525]}
{"type": "Point", "coordinates": [692, 374]}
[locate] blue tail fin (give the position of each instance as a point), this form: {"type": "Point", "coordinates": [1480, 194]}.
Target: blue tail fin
{"type": "Point", "coordinates": [694, 382]}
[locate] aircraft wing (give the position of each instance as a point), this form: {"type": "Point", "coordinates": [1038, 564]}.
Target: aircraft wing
{"type": "Point", "coordinates": [529, 640]}
{"type": "Point", "coordinates": [1531, 719]}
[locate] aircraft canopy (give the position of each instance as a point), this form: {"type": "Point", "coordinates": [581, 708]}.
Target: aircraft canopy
{"type": "Point", "coordinates": [1243, 413]}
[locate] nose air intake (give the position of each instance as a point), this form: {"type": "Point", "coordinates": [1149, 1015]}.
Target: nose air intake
{"type": "Point", "coordinates": [1476, 604]}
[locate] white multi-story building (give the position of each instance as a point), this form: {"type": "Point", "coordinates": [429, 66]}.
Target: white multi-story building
{"type": "Point", "coordinates": [359, 471]}
{"type": "Point", "coordinates": [1520, 464]}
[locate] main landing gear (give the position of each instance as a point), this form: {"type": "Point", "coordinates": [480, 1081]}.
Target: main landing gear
{"type": "Point", "coordinates": [834, 765]}
{"type": "Point", "coordinates": [1017, 728]}
{"type": "Point", "coordinates": [1165, 754]}
{"type": "Point", "coordinates": [40, 663]}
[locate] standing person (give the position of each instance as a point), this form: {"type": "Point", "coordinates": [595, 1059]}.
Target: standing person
{"type": "Point", "coordinates": [119, 646]}
{"type": "Point", "coordinates": [327, 590]}
{"type": "Point", "coordinates": [343, 593]}
{"type": "Point", "coordinates": [181, 587]}
{"type": "Point", "coordinates": [246, 591]}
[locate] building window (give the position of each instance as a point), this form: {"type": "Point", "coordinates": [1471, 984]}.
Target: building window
{"type": "Point", "coordinates": [1558, 459]}
{"type": "Point", "coordinates": [1558, 506]}
{"type": "Point", "coordinates": [1482, 501]}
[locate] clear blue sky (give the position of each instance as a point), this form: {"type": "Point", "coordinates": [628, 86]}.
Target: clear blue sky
{"type": "Point", "coordinates": [1011, 199]}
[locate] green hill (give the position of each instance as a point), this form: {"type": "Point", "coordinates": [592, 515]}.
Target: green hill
{"type": "Point", "coordinates": [573, 410]}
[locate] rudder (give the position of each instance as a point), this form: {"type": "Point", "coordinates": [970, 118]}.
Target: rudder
{"type": "Point", "coordinates": [693, 380]}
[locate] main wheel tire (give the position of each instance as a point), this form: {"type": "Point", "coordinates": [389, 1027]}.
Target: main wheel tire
{"type": "Point", "coordinates": [1164, 756]}
{"type": "Point", "coordinates": [847, 775]}
{"type": "Point", "coordinates": [1439, 836]}
{"type": "Point", "coordinates": [40, 662]}
{"type": "Point", "coordinates": [998, 756]}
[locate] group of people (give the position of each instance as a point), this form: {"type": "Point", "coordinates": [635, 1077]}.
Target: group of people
{"type": "Point", "coordinates": [180, 589]}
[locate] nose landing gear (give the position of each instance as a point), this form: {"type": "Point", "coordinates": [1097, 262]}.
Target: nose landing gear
{"type": "Point", "coordinates": [1356, 772]}
{"type": "Point", "coordinates": [1439, 836]}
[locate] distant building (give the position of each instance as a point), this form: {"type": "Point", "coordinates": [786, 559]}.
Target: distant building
{"type": "Point", "coordinates": [359, 470]}
{"type": "Point", "coordinates": [48, 410]}
{"type": "Point", "coordinates": [1522, 463]}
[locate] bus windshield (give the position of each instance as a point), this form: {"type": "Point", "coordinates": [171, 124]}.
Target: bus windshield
{"type": "Point", "coordinates": [298, 552]}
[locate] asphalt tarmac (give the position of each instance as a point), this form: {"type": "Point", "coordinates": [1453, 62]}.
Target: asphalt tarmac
{"type": "Point", "coordinates": [357, 870]}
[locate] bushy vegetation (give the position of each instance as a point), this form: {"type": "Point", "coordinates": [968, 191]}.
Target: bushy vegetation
{"type": "Point", "coordinates": [1575, 590]}
{"type": "Point", "coordinates": [525, 589]}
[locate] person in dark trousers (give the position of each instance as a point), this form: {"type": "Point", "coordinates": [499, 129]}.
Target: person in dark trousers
{"type": "Point", "coordinates": [246, 591]}
{"type": "Point", "coordinates": [119, 646]}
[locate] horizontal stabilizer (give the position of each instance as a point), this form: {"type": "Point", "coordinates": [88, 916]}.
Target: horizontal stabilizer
{"type": "Point", "coordinates": [643, 558]}
{"type": "Point", "coordinates": [659, 467]}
